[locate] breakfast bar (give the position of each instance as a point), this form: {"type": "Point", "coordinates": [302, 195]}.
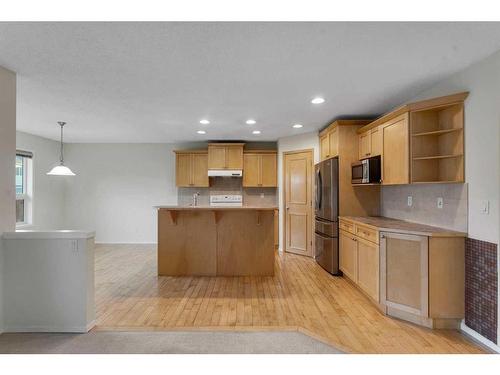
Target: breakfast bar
{"type": "Point", "coordinates": [222, 241]}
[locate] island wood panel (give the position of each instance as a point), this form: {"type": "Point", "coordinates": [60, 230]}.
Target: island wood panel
{"type": "Point", "coordinates": [187, 243]}
{"type": "Point", "coordinates": [245, 243]}
{"type": "Point", "coordinates": [208, 242]}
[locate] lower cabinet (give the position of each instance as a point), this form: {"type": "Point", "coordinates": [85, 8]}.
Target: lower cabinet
{"type": "Point", "coordinates": [348, 255]}
{"type": "Point", "coordinates": [359, 261]}
{"type": "Point", "coordinates": [368, 268]}
{"type": "Point", "coordinates": [405, 277]}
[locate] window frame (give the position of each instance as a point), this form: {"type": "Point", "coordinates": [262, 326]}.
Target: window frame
{"type": "Point", "coordinates": [27, 195]}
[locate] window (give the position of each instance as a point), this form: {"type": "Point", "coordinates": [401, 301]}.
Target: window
{"type": "Point", "coordinates": [23, 188]}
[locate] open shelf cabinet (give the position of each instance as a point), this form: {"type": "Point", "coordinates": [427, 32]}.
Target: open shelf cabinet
{"type": "Point", "coordinates": [437, 144]}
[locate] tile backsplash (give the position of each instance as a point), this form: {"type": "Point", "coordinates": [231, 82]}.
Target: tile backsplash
{"type": "Point", "coordinates": [424, 210]}
{"type": "Point", "coordinates": [229, 185]}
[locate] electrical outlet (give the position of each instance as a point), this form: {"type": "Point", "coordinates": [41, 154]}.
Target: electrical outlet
{"type": "Point", "coordinates": [410, 201]}
{"type": "Point", "coordinates": [262, 195]}
{"type": "Point", "coordinates": [485, 207]}
{"type": "Point", "coordinates": [440, 202]}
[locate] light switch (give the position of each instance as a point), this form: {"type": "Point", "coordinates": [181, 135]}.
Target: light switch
{"type": "Point", "coordinates": [440, 202]}
{"type": "Point", "coordinates": [485, 207]}
{"type": "Point", "coordinates": [410, 201]}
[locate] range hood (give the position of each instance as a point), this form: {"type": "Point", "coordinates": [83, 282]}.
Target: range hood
{"type": "Point", "coordinates": [225, 173]}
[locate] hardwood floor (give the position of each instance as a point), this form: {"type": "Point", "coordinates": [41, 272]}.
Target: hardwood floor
{"type": "Point", "coordinates": [301, 296]}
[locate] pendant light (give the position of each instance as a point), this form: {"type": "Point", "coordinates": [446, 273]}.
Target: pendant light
{"type": "Point", "coordinates": [61, 169]}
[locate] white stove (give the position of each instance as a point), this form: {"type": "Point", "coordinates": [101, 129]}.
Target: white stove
{"type": "Point", "coordinates": [226, 200]}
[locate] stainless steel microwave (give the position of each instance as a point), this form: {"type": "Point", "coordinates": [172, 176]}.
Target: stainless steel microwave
{"type": "Point", "coordinates": [366, 171]}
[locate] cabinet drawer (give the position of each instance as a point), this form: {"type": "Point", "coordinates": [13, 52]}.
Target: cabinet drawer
{"type": "Point", "coordinates": [347, 226]}
{"type": "Point", "coordinates": [366, 233]}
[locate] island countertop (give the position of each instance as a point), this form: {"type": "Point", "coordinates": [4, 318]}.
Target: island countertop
{"type": "Point", "coordinates": [218, 208]}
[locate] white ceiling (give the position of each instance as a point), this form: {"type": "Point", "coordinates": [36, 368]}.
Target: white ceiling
{"type": "Point", "coordinates": [153, 82]}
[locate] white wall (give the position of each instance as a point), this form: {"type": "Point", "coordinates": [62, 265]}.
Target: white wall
{"type": "Point", "coordinates": [48, 191]}
{"type": "Point", "coordinates": [293, 143]}
{"type": "Point", "coordinates": [116, 187]}
{"type": "Point", "coordinates": [7, 163]}
{"type": "Point", "coordinates": [482, 143]}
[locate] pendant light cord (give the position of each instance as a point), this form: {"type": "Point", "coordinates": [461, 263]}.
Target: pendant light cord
{"type": "Point", "coordinates": [61, 159]}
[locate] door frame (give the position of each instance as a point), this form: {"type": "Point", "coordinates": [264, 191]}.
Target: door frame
{"type": "Point", "coordinates": [283, 184]}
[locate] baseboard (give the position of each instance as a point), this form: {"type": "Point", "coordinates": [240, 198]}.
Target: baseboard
{"type": "Point", "coordinates": [480, 339]}
{"type": "Point", "coordinates": [49, 329]}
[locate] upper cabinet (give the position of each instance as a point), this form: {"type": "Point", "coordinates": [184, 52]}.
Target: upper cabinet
{"type": "Point", "coordinates": [364, 145]}
{"type": "Point", "coordinates": [421, 142]}
{"type": "Point", "coordinates": [370, 143]}
{"type": "Point", "coordinates": [191, 168]}
{"type": "Point", "coordinates": [437, 144]}
{"type": "Point", "coordinates": [395, 162]}
{"type": "Point", "coordinates": [329, 138]}
{"type": "Point", "coordinates": [225, 156]}
{"type": "Point", "coordinates": [260, 169]}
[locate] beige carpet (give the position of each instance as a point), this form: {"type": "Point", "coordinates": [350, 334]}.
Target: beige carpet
{"type": "Point", "coordinates": [163, 343]}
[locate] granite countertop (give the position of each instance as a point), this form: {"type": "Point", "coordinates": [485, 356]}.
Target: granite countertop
{"type": "Point", "coordinates": [212, 208]}
{"type": "Point", "coordinates": [400, 226]}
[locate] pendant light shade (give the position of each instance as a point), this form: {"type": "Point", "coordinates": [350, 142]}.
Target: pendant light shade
{"type": "Point", "coordinates": [61, 169]}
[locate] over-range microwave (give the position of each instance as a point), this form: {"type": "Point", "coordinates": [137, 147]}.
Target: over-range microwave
{"type": "Point", "coordinates": [366, 171]}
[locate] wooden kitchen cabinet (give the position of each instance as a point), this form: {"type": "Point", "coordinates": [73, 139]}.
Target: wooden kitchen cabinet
{"type": "Point", "coordinates": [404, 276]}
{"type": "Point", "coordinates": [191, 168]}
{"type": "Point", "coordinates": [348, 255]}
{"type": "Point", "coordinates": [359, 256]}
{"type": "Point", "coordinates": [333, 141]}
{"type": "Point", "coordinates": [396, 151]}
{"type": "Point", "coordinates": [368, 267]}
{"type": "Point", "coordinates": [435, 129]}
{"type": "Point", "coordinates": [260, 169]}
{"type": "Point", "coordinates": [376, 141]}
{"type": "Point", "coordinates": [410, 271]}
{"type": "Point", "coordinates": [324, 146]}
{"type": "Point", "coordinates": [225, 156]}
{"type": "Point", "coordinates": [364, 145]}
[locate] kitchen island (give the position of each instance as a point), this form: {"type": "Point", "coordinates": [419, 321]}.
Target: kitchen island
{"type": "Point", "coordinates": [216, 241]}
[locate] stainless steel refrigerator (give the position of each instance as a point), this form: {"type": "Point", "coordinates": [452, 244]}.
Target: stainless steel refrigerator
{"type": "Point", "coordinates": [326, 212]}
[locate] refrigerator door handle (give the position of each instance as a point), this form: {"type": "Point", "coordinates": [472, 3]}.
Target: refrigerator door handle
{"type": "Point", "coordinates": [319, 190]}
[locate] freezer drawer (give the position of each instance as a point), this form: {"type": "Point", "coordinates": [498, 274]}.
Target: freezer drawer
{"type": "Point", "coordinates": [327, 253]}
{"type": "Point", "coordinates": [329, 228]}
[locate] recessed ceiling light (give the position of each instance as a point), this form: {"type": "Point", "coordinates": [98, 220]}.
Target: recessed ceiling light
{"type": "Point", "coordinates": [297, 126]}
{"type": "Point", "coordinates": [201, 132]}
{"type": "Point", "coordinates": [318, 100]}
{"type": "Point", "coordinates": [204, 122]}
{"type": "Point", "coordinates": [251, 122]}
{"type": "Point", "coordinates": [256, 132]}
